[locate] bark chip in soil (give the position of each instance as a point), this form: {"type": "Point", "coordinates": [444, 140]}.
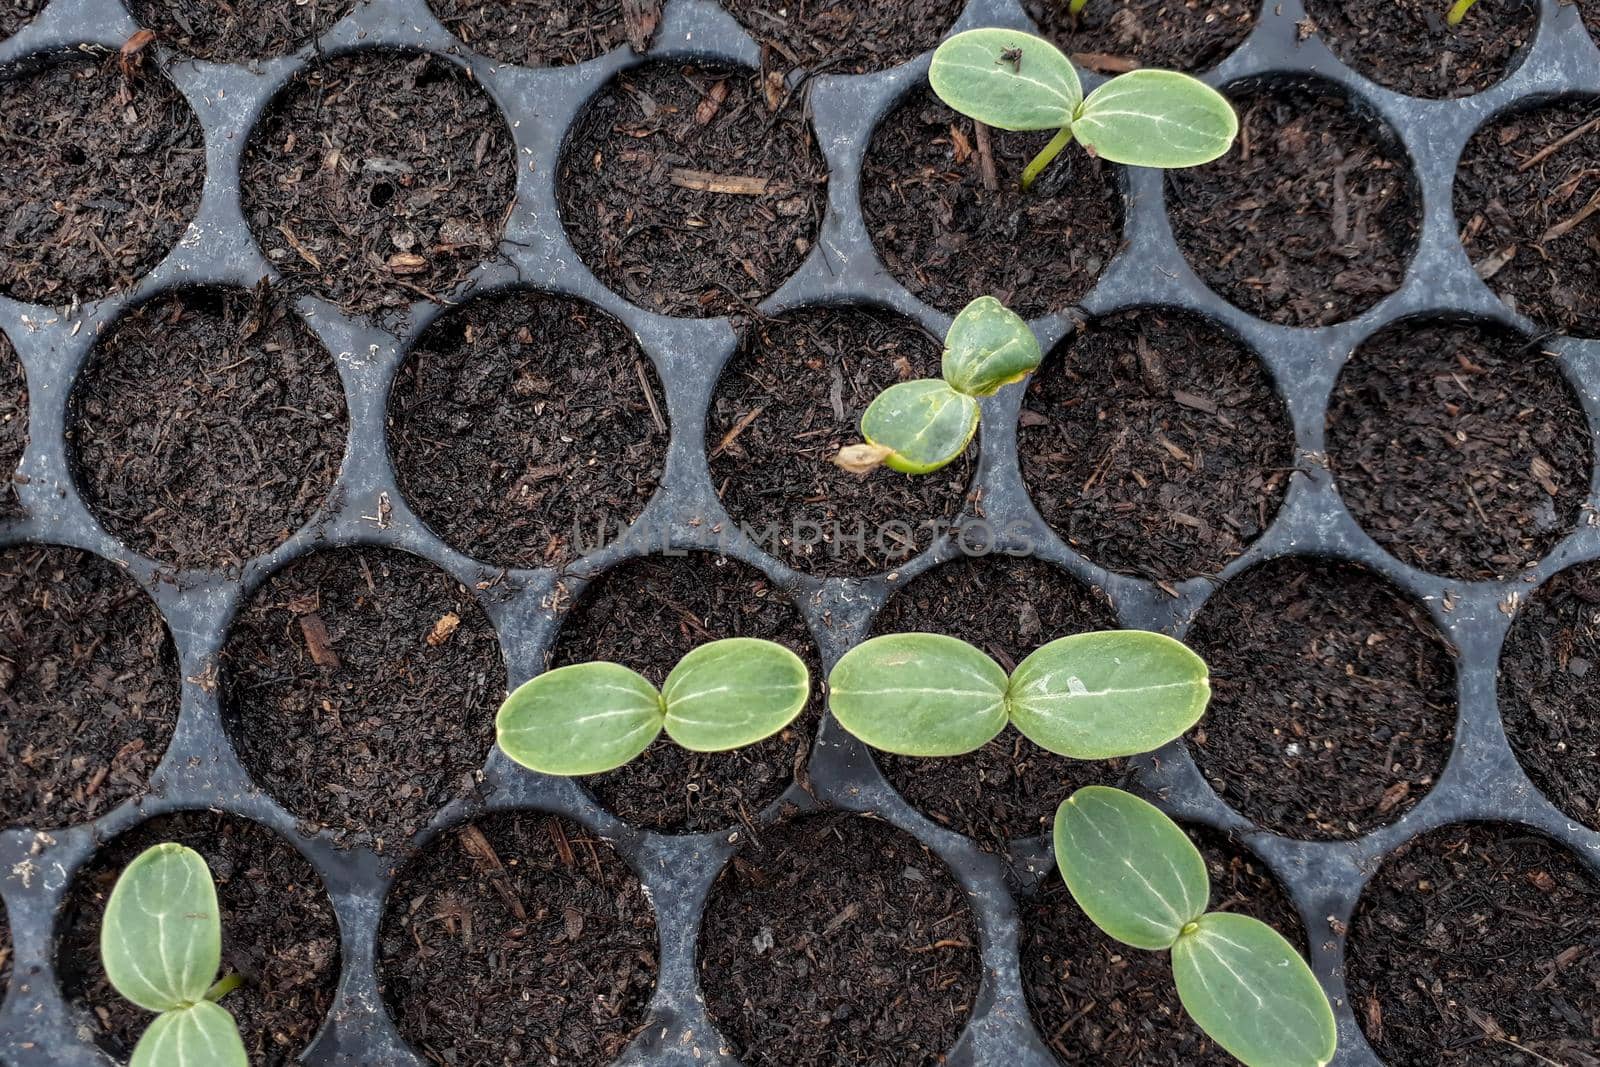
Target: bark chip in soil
{"type": "Point", "coordinates": [549, 33]}
{"type": "Point", "coordinates": [527, 428]}
{"type": "Point", "coordinates": [88, 686]}
{"type": "Point", "coordinates": [1153, 441]}
{"type": "Point", "coordinates": [843, 36]}
{"type": "Point", "coordinates": [649, 612]}
{"type": "Point", "coordinates": [1460, 447]}
{"type": "Point", "coordinates": [1405, 45]}
{"type": "Point", "coordinates": [13, 423]}
{"type": "Point", "coordinates": [361, 688]}
{"type": "Point", "coordinates": [278, 933]}
{"type": "Point", "coordinates": [950, 234]}
{"type": "Point", "coordinates": [208, 426]}
{"type": "Point", "coordinates": [1313, 215]}
{"type": "Point", "coordinates": [519, 938]}
{"type": "Point", "coordinates": [378, 179]}
{"type": "Point", "coordinates": [102, 177]}
{"type": "Point", "coordinates": [834, 939]}
{"type": "Point", "coordinates": [237, 32]}
{"type": "Point", "coordinates": [1475, 945]}
{"type": "Point", "coordinates": [1114, 36]}
{"type": "Point", "coordinates": [788, 400]}
{"type": "Point", "coordinates": [1333, 704]}
{"type": "Point", "coordinates": [688, 191]}
{"type": "Point", "coordinates": [15, 14]}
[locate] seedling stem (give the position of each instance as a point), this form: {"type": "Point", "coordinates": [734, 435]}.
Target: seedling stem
{"type": "Point", "coordinates": [1459, 11]}
{"type": "Point", "coordinates": [1046, 157]}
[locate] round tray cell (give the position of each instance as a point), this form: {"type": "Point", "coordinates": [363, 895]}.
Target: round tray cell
{"type": "Point", "coordinates": [1548, 698]}
{"type": "Point", "coordinates": [378, 179]}
{"type": "Point", "coordinates": [687, 192]}
{"type": "Point", "coordinates": [278, 933]}
{"type": "Point", "coordinates": [520, 938]}
{"type": "Point", "coordinates": [90, 681]}
{"type": "Point", "coordinates": [15, 14]}
{"type": "Point", "coordinates": [1525, 194]}
{"type": "Point", "coordinates": [843, 36]}
{"type": "Point", "coordinates": [208, 426]}
{"type": "Point", "coordinates": [805, 965]}
{"type": "Point", "coordinates": [791, 397]}
{"type": "Point", "coordinates": [361, 690]}
{"type": "Point", "coordinates": [1406, 45]}
{"type": "Point", "coordinates": [543, 33]}
{"type": "Point", "coordinates": [1096, 1001]}
{"type": "Point", "coordinates": [13, 423]}
{"type": "Point", "coordinates": [233, 32]}
{"type": "Point", "coordinates": [950, 237]}
{"type": "Point", "coordinates": [1313, 215]}
{"type": "Point", "coordinates": [1459, 447]}
{"type": "Point", "coordinates": [1476, 944]}
{"type": "Point", "coordinates": [1153, 441]}
{"type": "Point", "coordinates": [1114, 36]}
{"type": "Point", "coordinates": [102, 178]}
{"type": "Point", "coordinates": [647, 614]}
{"type": "Point", "coordinates": [1333, 706]}
{"type": "Point", "coordinates": [528, 429]}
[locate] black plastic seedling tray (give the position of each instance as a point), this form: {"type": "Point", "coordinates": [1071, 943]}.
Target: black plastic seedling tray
{"type": "Point", "coordinates": [200, 770]}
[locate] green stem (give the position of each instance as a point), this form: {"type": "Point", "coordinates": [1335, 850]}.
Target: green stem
{"type": "Point", "coordinates": [1459, 11]}
{"type": "Point", "coordinates": [224, 986]}
{"type": "Point", "coordinates": [1062, 138]}
{"type": "Point", "coordinates": [1076, 7]}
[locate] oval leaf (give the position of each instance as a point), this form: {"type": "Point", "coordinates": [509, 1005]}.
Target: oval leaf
{"type": "Point", "coordinates": [1007, 79]}
{"type": "Point", "coordinates": [203, 1035]}
{"type": "Point", "coordinates": [1249, 989]}
{"type": "Point", "coordinates": [731, 693]}
{"type": "Point", "coordinates": [583, 719]}
{"type": "Point", "coordinates": [1156, 118]}
{"type": "Point", "coordinates": [1102, 695]}
{"type": "Point", "coordinates": [925, 423]}
{"type": "Point", "coordinates": [919, 695]}
{"type": "Point", "coordinates": [161, 942]}
{"type": "Point", "coordinates": [989, 346]}
{"type": "Point", "coordinates": [1130, 868]}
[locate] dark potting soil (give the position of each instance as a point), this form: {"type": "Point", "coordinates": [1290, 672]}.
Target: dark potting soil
{"type": "Point", "coordinates": [548, 33]}
{"type": "Point", "coordinates": [1096, 1001]}
{"type": "Point", "coordinates": [1113, 36]}
{"type": "Point", "coordinates": [1154, 442]}
{"type": "Point", "coordinates": [361, 689]}
{"type": "Point", "coordinates": [13, 423]}
{"type": "Point", "coordinates": [379, 178]}
{"type": "Point", "coordinates": [518, 939]}
{"type": "Point", "coordinates": [843, 36]}
{"type": "Point", "coordinates": [1459, 447]}
{"type": "Point", "coordinates": [100, 178]}
{"type": "Point", "coordinates": [687, 192]}
{"type": "Point", "coordinates": [15, 14]}
{"type": "Point", "coordinates": [88, 686]}
{"type": "Point", "coordinates": [1333, 705]}
{"type": "Point", "coordinates": [235, 32]}
{"type": "Point", "coordinates": [647, 614]}
{"type": "Point", "coordinates": [5, 953]}
{"type": "Point", "coordinates": [1407, 46]}
{"type": "Point", "coordinates": [1548, 699]}
{"type": "Point", "coordinates": [527, 428]}
{"type": "Point", "coordinates": [1525, 194]}
{"type": "Point", "coordinates": [1310, 219]}
{"type": "Point", "coordinates": [208, 426]}
{"type": "Point", "coordinates": [950, 235]}
{"type": "Point", "coordinates": [1476, 945]}
{"type": "Point", "coordinates": [804, 968]}
{"type": "Point", "coordinates": [278, 933]}
{"type": "Point", "coordinates": [788, 400]}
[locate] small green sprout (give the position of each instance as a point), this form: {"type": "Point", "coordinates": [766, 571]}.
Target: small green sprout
{"type": "Point", "coordinates": [1459, 11]}
{"type": "Point", "coordinates": [1075, 8]}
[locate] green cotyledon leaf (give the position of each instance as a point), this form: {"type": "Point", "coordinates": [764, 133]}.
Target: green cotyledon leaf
{"type": "Point", "coordinates": [925, 424]}
{"type": "Point", "coordinates": [919, 694]}
{"type": "Point", "coordinates": [1156, 118]}
{"type": "Point", "coordinates": [1007, 79]}
{"type": "Point", "coordinates": [161, 941]}
{"type": "Point", "coordinates": [201, 1035]}
{"type": "Point", "coordinates": [988, 347]}
{"type": "Point", "coordinates": [734, 692]}
{"type": "Point", "coordinates": [583, 719]}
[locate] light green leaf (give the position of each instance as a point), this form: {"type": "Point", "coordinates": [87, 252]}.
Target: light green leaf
{"type": "Point", "coordinates": [203, 1035]}
{"type": "Point", "coordinates": [988, 347]}
{"type": "Point", "coordinates": [919, 695]}
{"type": "Point", "coordinates": [924, 422]}
{"type": "Point", "coordinates": [583, 719]}
{"type": "Point", "coordinates": [1130, 868]}
{"type": "Point", "coordinates": [161, 942]}
{"type": "Point", "coordinates": [1249, 989]}
{"type": "Point", "coordinates": [1156, 118]}
{"type": "Point", "coordinates": [1102, 695]}
{"type": "Point", "coordinates": [734, 692]}
{"type": "Point", "coordinates": [1007, 79]}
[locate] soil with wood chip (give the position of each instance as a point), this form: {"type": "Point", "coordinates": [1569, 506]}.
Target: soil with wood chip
{"type": "Point", "coordinates": [235, 32]}
{"type": "Point", "coordinates": [13, 423]}
{"type": "Point", "coordinates": [15, 14]}
{"type": "Point", "coordinates": [1115, 36]}
{"type": "Point", "coordinates": [1407, 46]}
{"type": "Point", "coordinates": [549, 33]}
{"type": "Point", "coordinates": [843, 36]}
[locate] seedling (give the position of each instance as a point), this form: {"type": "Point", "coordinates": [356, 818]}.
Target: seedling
{"type": "Point", "coordinates": [1459, 11]}
{"type": "Point", "coordinates": [1076, 7]}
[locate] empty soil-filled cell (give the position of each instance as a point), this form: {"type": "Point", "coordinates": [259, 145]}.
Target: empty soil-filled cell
{"type": "Point", "coordinates": [101, 176]}
{"type": "Point", "coordinates": [236, 32]}
{"type": "Point", "coordinates": [1334, 704]}
{"type": "Point", "coordinates": [687, 192]}
{"type": "Point", "coordinates": [361, 686]}
{"type": "Point", "coordinates": [1112, 36]}
{"type": "Point", "coordinates": [278, 934]}
{"type": "Point", "coordinates": [837, 939]}
{"type": "Point", "coordinates": [1311, 218]}
{"type": "Point", "coordinates": [1459, 447]}
{"type": "Point", "coordinates": [1475, 945]}
{"type": "Point", "coordinates": [944, 204]}
{"type": "Point", "coordinates": [843, 36]}
{"type": "Point", "coordinates": [547, 33]}
{"type": "Point", "coordinates": [647, 614]}
{"type": "Point", "coordinates": [520, 938]}
{"type": "Point", "coordinates": [1153, 441]}
{"type": "Point", "coordinates": [790, 398]}
{"type": "Point", "coordinates": [89, 680]}
{"type": "Point", "coordinates": [1526, 193]}
{"type": "Point", "coordinates": [208, 426]}
{"type": "Point", "coordinates": [527, 428]}
{"type": "Point", "coordinates": [13, 423]}
{"type": "Point", "coordinates": [1406, 45]}
{"type": "Point", "coordinates": [378, 179]}
{"type": "Point", "coordinates": [15, 14]}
